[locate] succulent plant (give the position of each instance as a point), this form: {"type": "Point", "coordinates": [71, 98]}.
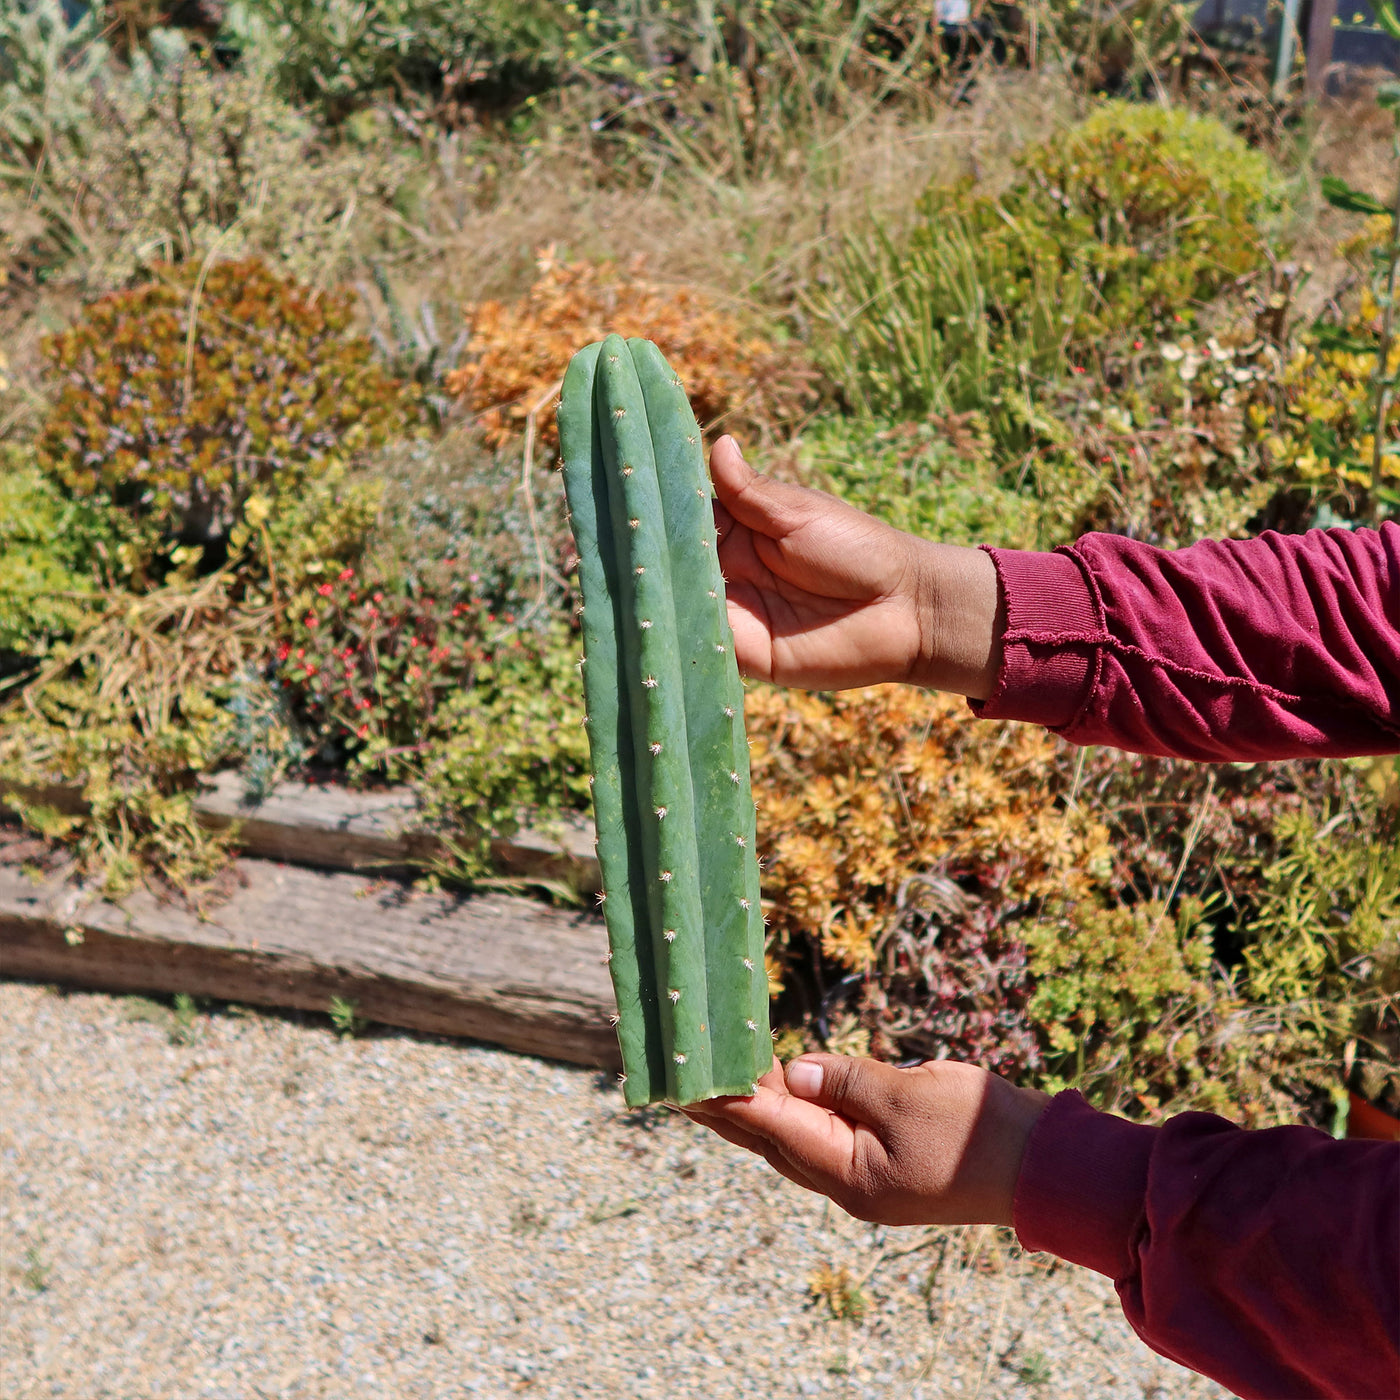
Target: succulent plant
{"type": "Point", "coordinates": [665, 717]}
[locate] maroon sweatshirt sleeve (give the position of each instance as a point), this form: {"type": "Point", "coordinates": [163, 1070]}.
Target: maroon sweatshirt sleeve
{"type": "Point", "coordinates": [1268, 1260]}
{"type": "Point", "coordinates": [1282, 646]}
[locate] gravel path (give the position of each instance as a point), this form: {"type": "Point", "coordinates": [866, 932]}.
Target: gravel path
{"type": "Point", "coordinates": [269, 1210]}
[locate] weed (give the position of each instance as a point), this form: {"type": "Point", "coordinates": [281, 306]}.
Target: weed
{"type": "Point", "coordinates": [526, 1218]}
{"type": "Point", "coordinates": [1034, 1369]}
{"type": "Point", "coordinates": [605, 1210]}
{"type": "Point", "coordinates": [179, 1019]}
{"type": "Point", "coordinates": [37, 1272]}
{"type": "Point", "coordinates": [346, 1020]}
{"type": "Point", "coordinates": [844, 1298]}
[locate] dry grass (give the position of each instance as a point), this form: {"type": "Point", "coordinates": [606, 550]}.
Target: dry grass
{"type": "Point", "coordinates": [746, 243]}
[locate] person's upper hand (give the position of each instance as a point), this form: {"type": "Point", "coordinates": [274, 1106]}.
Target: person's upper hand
{"type": "Point", "coordinates": [825, 597]}
{"type": "Point", "coordinates": [937, 1144]}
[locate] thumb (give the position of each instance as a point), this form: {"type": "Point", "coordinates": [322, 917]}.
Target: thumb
{"type": "Point", "coordinates": [866, 1091]}
{"type": "Point", "coordinates": [761, 503]}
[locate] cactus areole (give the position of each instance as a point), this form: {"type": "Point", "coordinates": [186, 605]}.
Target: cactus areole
{"type": "Point", "coordinates": [665, 717]}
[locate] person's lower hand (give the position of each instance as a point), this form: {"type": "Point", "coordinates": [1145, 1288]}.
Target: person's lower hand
{"type": "Point", "coordinates": [826, 597]}
{"type": "Point", "coordinates": [937, 1144]}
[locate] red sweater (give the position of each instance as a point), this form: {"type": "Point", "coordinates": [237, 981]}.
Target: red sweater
{"type": "Point", "coordinates": [1268, 1260]}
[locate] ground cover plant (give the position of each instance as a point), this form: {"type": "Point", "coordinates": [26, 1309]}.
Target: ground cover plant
{"type": "Point", "coordinates": [286, 309]}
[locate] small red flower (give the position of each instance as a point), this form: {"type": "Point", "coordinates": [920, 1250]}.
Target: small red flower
{"type": "Point", "coordinates": [309, 621]}
{"type": "Point", "coordinates": [346, 575]}
{"type": "Point", "coordinates": [325, 590]}
{"type": "Point", "coordinates": [362, 732]}
{"type": "Point", "coordinates": [284, 651]}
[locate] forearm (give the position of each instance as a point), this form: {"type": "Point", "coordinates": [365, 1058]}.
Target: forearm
{"type": "Point", "coordinates": [1265, 1259]}
{"type": "Point", "coordinates": [1275, 647]}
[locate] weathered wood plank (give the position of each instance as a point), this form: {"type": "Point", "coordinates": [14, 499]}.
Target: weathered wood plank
{"type": "Point", "coordinates": [500, 969]}
{"type": "Point", "coordinates": [334, 828]}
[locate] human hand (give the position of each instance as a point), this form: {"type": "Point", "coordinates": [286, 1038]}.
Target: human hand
{"type": "Point", "coordinates": [825, 597]}
{"type": "Point", "coordinates": [940, 1143]}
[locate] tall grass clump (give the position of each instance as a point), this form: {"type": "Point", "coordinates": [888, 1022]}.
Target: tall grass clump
{"type": "Point", "coordinates": [1126, 221]}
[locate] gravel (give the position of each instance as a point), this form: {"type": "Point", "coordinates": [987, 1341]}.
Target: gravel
{"type": "Point", "coordinates": [241, 1205]}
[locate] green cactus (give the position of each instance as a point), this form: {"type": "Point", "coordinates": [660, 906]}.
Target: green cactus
{"type": "Point", "coordinates": [671, 794]}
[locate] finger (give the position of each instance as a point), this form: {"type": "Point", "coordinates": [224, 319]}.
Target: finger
{"type": "Point", "coordinates": [751, 1142]}
{"type": "Point", "coordinates": [862, 1090]}
{"type": "Point", "coordinates": [820, 1144]}
{"type": "Point", "coordinates": [770, 507]}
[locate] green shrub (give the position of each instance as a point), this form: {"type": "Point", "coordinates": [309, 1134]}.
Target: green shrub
{"type": "Point", "coordinates": [340, 54]}
{"type": "Point", "coordinates": [1324, 950]}
{"type": "Point", "coordinates": [1108, 981]}
{"type": "Point", "coordinates": [934, 478]}
{"type": "Point", "coordinates": [181, 399]}
{"type": "Point", "coordinates": [1259, 970]}
{"type": "Point", "coordinates": [511, 748]}
{"type": "Point", "coordinates": [1122, 222]}
{"type": "Point", "coordinates": [49, 558]}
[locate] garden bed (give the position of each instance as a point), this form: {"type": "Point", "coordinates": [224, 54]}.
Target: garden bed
{"type": "Point", "coordinates": [496, 968]}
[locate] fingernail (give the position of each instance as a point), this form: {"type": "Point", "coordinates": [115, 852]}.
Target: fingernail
{"type": "Point", "coordinates": [804, 1078]}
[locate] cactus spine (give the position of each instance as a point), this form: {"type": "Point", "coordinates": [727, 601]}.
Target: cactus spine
{"type": "Point", "coordinates": [665, 716]}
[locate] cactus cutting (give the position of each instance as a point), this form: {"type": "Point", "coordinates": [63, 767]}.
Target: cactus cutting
{"type": "Point", "coordinates": [672, 799]}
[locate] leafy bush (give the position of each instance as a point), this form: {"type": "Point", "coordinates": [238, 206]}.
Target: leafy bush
{"type": "Point", "coordinates": [902, 839]}
{"type": "Point", "coordinates": [339, 54]}
{"type": "Point", "coordinates": [1105, 979]}
{"type": "Point", "coordinates": [1324, 948]}
{"type": "Point", "coordinates": [49, 550]}
{"type": "Point", "coordinates": [516, 353]}
{"type": "Point", "coordinates": [47, 70]}
{"type": "Point", "coordinates": [131, 711]}
{"type": "Point", "coordinates": [511, 747]}
{"type": "Point", "coordinates": [1154, 1004]}
{"type": "Point", "coordinates": [1122, 222]}
{"type": "Point", "coordinates": [935, 478]}
{"type": "Point", "coordinates": [372, 668]}
{"type": "Point", "coordinates": [180, 399]}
